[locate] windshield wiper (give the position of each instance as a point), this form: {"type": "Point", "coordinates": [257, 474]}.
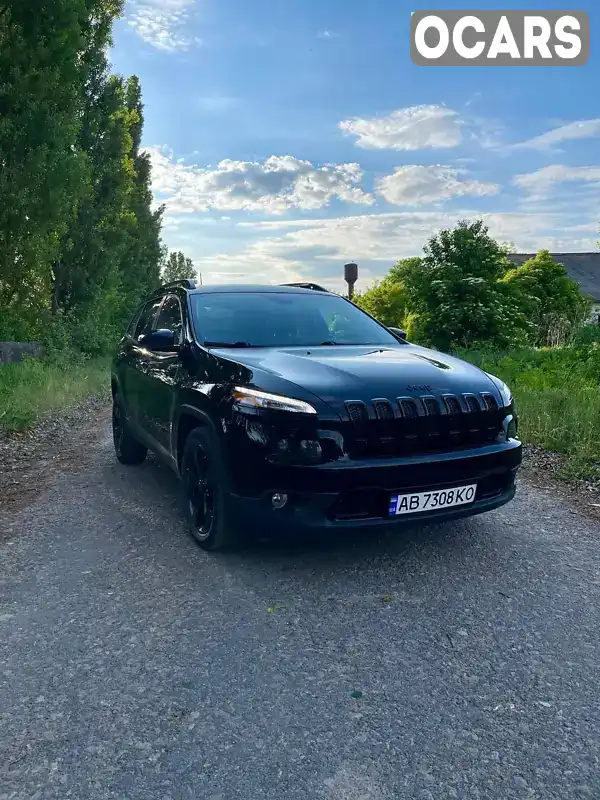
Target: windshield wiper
{"type": "Point", "coordinates": [327, 344]}
{"type": "Point", "coordinates": [227, 344]}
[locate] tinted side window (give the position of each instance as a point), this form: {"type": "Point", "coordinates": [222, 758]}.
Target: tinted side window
{"type": "Point", "coordinates": [133, 323]}
{"type": "Point", "coordinates": [170, 317]}
{"type": "Point", "coordinates": [144, 324]}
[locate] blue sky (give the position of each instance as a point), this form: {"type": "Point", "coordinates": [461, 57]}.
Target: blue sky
{"type": "Point", "coordinates": [290, 136]}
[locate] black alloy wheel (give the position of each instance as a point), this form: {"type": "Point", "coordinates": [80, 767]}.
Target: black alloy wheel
{"type": "Point", "coordinates": [127, 448]}
{"type": "Point", "coordinates": [205, 493]}
{"type": "Point", "coordinates": [200, 494]}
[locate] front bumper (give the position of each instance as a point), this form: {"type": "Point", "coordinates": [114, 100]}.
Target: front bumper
{"type": "Point", "coordinates": [347, 495]}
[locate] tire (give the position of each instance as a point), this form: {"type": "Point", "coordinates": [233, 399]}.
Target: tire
{"type": "Point", "coordinates": [205, 495]}
{"type": "Point", "coordinates": [127, 448]}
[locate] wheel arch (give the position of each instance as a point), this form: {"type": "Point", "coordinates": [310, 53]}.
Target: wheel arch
{"type": "Point", "coordinates": [188, 419]}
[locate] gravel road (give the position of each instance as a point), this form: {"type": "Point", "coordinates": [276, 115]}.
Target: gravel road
{"type": "Point", "coordinates": [454, 662]}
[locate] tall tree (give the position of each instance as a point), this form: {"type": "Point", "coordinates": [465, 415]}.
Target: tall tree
{"type": "Point", "coordinates": [101, 101]}
{"type": "Point", "coordinates": [78, 232]}
{"type": "Point", "coordinates": [178, 267]}
{"type": "Point", "coordinates": [41, 168]}
{"type": "Point", "coordinates": [145, 253]}
{"type": "Point", "coordinates": [88, 274]}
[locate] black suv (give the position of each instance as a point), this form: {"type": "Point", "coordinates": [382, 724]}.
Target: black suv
{"type": "Point", "coordinates": [289, 405]}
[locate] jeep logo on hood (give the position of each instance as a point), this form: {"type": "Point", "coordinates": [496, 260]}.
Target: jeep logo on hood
{"type": "Point", "coordinates": [422, 388]}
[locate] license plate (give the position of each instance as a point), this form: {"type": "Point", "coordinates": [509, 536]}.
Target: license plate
{"type": "Point", "coordinates": [430, 501]}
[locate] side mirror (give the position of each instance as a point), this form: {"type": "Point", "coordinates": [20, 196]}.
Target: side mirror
{"type": "Point", "coordinates": [398, 333]}
{"type": "Point", "coordinates": [160, 341]}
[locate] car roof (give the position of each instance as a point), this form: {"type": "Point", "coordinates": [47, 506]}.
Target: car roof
{"type": "Point", "coordinates": [233, 288]}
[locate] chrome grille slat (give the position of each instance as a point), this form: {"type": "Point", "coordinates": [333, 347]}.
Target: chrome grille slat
{"type": "Point", "coordinates": [383, 408]}
{"type": "Point", "coordinates": [408, 407]}
{"type": "Point", "coordinates": [357, 411]}
{"type": "Point", "coordinates": [452, 404]}
{"type": "Point", "coordinates": [489, 401]}
{"type": "Point", "coordinates": [473, 404]}
{"type": "Point", "coordinates": [430, 404]}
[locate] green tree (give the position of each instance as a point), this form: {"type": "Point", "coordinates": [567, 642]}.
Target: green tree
{"type": "Point", "coordinates": [455, 296]}
{"type": "Point", "coordinates": [41, 168]}
{"type": "Point", "coordinates": [386, 300]}
{"type": "Point", "coordinates": [89, 272]}
{"type": "Point", "coordinates": [551, 300]}
{"type": "Point", "coordinates": [145, 252]}
{"type": "Point", "coordinates": [79, 237]}
{"type": "Point", "coordinates": [178, 267]}
{"type": "Point", "coordinates": [110, 258]}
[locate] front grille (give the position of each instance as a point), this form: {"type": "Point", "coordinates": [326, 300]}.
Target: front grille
{"type": "Point", "coordinates": [425, 424]}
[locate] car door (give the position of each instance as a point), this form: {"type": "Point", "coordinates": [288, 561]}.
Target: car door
{"type": "Point", "coordinates": [164, 378]}
{"type": "Point", "coordinates": [131, 358]}
{"type": "Point", "coordinates": [140, 364]}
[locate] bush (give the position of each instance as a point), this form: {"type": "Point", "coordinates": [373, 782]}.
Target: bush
{"type": "Point", "coordinates": [586, 335]}
{"type": "Point", "coordinates": [558, 401]}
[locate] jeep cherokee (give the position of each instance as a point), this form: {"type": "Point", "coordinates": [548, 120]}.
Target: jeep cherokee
{"type": "Point", "coordinates": [289, 406]}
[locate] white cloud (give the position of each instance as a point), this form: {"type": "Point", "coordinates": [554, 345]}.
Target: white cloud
{"type": "Point", "coordinates": [171, 222]}
{"type": "Point", "coordinates": [327, 35]}
{"type": "Point", "coordinates": [272, 187]}
{"type": "Point", "coordinates": [163, 23]}
{"type": "Point", "coordinates": [317, 249]}
{"type": "Point", "coordinates": [412, 128]}
{"type": "Point", "coordinates": [540, 184]}
{"type": "Point", "coordinates": [419, 185]}
{"type": "Point", "coordinates": [582, 129]}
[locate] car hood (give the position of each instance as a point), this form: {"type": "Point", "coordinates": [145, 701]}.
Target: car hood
{"type": "Point", "coordinates": [340, 373]}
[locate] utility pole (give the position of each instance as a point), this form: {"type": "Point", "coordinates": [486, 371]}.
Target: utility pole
{"type": "Point", "coordinates": [350, 276]}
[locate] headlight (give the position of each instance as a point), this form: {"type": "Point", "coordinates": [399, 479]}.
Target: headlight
{"type": "Point", "coordinates": [505, 392]}
{"type": "Point", "coordinates": [253, 398]}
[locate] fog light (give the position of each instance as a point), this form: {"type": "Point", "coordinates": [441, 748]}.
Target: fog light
{"type": "Point", "coordinates": [513, 429]}
{"type": "Point", "coordinates": [279, 500]}
{"type": "Point", "coordinates": [311, 449]}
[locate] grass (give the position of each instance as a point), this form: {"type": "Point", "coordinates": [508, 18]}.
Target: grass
{"type": "Point", "coordinates": [34, 388]}
{"type": "Point", "coordinates": [557, 392]}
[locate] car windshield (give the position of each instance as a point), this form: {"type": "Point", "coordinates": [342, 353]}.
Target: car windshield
{"type": "Point", "coordinates": [283, 319]}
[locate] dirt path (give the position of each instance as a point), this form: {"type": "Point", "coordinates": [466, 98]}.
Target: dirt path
{"type": "Point", "coordinates": [30, 461]}
{"type": "Point", "coordinates": [461, 661]}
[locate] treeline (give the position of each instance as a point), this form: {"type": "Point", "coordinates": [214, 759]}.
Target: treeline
{"type": "Point", "coordinates": [464, 292]}
{"type": "Point", "coordinates": [80, 242]}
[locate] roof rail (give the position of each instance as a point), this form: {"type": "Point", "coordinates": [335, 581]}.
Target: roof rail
{"type": "Point", "coordinates": [183, 283]}
{"type": "Point", "coordinates": [314, 286]}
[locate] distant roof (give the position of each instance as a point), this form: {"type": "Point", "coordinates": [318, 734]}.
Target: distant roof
{"type": "Point", "coordinates": [582, 267]}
